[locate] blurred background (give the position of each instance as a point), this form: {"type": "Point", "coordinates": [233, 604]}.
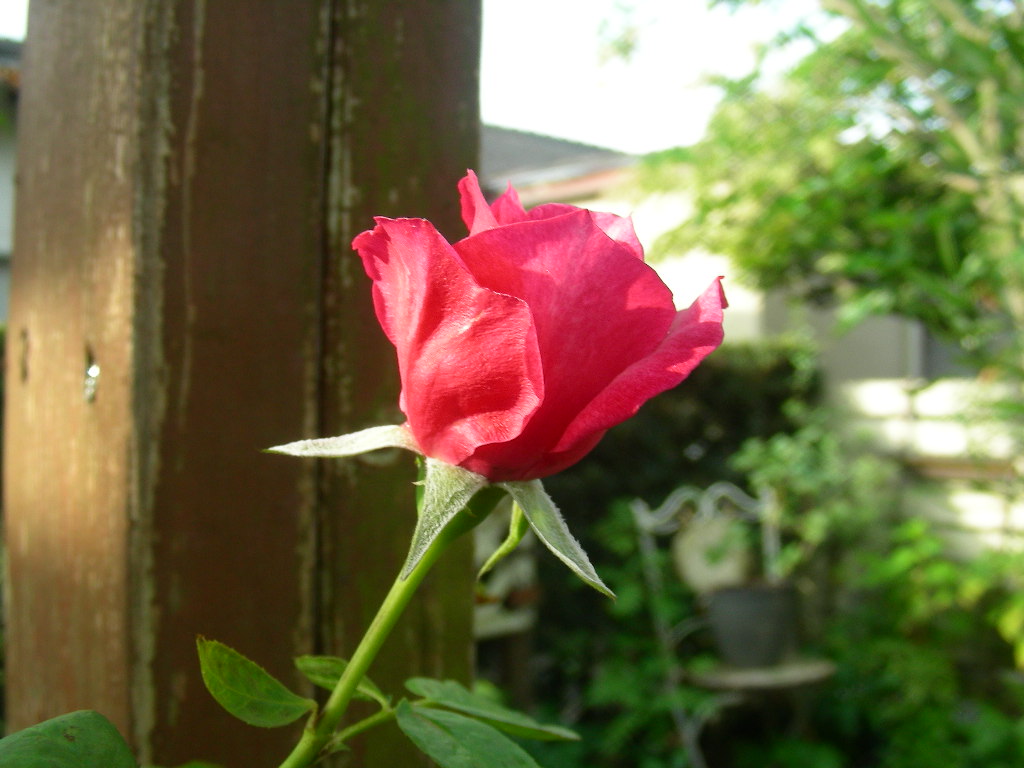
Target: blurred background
{"type": "Point", "coordinates": [855, 170]}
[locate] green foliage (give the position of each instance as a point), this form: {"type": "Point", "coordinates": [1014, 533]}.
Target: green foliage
{"type": "Point", "coordinates": [458, 728]}
{"type": "Point", "coordinates": [827, 487]}
{"type": "Point", "coordinates": [880, 172]}
{"type": "Point", "coordinates": [604, 671]}
{"type": "Point", "coordinates": [923, 674]}
{"type": "Point", "coordinates": [549, 525]}
{"type": "Point", "coordinates": [454, 726]}
{"type": "Point", "coordinates": [455, 741]}
{"type": "Point", "coordinates": [788, 752]}
{"type": "Point", "coordinates": [452, 695]}
{"type": "Point", "coordinates": [83, 739]}
{"type": "Point", "coordinates": [246, 690]}
{"type": "Point", "coordinates": [923, 644]}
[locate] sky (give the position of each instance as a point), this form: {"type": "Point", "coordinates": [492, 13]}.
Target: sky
{"type": "Point", "coordinates": [545, 66]}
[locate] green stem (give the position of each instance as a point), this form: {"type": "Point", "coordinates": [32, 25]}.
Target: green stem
{"type": "Point", "coordinates": [365, 724]}
{"type": "Point", "coordinates": [318, 733]}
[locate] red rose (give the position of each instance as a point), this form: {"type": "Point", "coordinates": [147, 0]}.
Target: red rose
{"type": "Point", "coordinates": [520, 345]}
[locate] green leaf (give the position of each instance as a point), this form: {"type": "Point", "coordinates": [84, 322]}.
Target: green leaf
{"type": "Point", "coordinates": [454, 741]}
{"type": "Point", "coordinates": [246, 690]}
{"type": "Point", "coordinates": [453, 695]}
{"type": "Point", "coordinates": [550, 527]}
{"type": "Point", "coordinates": [325, 671]}
{"type": "Point", "coordinates": [83, 739]}
{"type": "Point", "coordinates": [447, 489]}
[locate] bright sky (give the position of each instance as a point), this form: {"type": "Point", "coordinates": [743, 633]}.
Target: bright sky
{"type": "Point", "coordinates": [12, 18]}
{"type": "Point", "coordinates": [543, 67]}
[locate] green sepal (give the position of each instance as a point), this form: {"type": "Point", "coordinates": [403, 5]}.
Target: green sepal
{"type": "Point", "coordinates": [453, 695]}
{"type": "Point", "coordinates": [352, 444]}
{"type": "Point", "coordinates": [549, 525]}
{"type": "Point", "coordinates": [246, 690]}
{"type": "Point", "coordinates": [517, 528]}
{"type": "Point", "coordinates": [447, 489]}
{"type": "Point", "coordinates": [325, 671]}
{"type": "Point", "coordinates": [455, 741]}
{"type": "Point", "coordinates": [83, 739]}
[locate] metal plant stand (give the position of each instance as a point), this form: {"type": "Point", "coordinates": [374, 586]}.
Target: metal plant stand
{"type": "Point", "coordinates": [666, 521]}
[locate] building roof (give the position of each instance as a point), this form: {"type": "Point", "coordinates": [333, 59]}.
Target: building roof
{"type": "Point", "coordinates": [529, 159]}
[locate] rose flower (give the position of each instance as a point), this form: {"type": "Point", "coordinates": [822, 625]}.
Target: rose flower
{"type": "Point", "coordinates": [522, 344]}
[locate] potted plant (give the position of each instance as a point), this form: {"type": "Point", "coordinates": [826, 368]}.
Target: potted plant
{"type": "Point", "coordinates": [813, 488]}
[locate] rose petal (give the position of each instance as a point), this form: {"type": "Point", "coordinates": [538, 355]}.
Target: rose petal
{"type": "Point", "coordinates": [618, 228]}
{"type": "Point", "coordinates": [468, 356]}
{"type": "Point", "coordinates": [507, 208]}
{"type": "Point", "coordinates": [695, 333]}
{"type": "Point", "coordinates": [476, 213]}
{"type": "Point", "coordinates": [596, 308]}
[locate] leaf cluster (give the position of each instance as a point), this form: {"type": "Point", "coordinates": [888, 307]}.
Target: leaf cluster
{"type": "Point", "coordinates": [924, 645]}
{"type": "Point", "coordinates": [853, 180]}
{"type": "Point", "coordinates": [452, 725]}
{"type": "Point", "coordinates": [828, 486]}
{"type": "Point", "coordinates": [920, 657]}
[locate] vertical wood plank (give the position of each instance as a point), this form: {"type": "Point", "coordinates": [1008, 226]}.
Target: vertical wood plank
{"type": "Point", "coordinates": [235, 269]}
{"type": "Point", "coordinates": [66, 476]}
{"type": "Point", "coordinates": [405, 128]}
{"type": "Point", "coordinates": [190, 176]}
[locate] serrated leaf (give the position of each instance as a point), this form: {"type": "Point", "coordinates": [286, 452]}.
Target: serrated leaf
{"type": "Point", "coordinates": [246, 690]}
{"type": "Point", "coordinates": [550, 527]}
{"type": "Point", "coordinates": [455, 696]}
{"type": "Point", "coordinates": [325, 671]}
{"type": "Point", "coordinates": [352, 444]}
{"type": "Point", "coordinates": [455, 741]}
{"type": "Point", "coordinates": [446, 491]}
{"type": "Point", "coordinates": [83, 739]}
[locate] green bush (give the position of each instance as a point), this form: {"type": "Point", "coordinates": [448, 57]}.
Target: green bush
{"type": "Point", "coordinates": [923, 645]}
{"type": "Point", "coordinates": [600, 667]}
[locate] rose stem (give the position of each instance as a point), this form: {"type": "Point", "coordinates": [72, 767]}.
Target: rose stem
{"type": "Point", "coordinates": [314, 738]}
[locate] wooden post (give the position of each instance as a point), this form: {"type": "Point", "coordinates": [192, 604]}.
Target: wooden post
{"type": "Point", "coordinates": [190, 176]}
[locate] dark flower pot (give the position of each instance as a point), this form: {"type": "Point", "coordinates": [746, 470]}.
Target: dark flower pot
{"type": "Point", "coordinates": [755, 625]}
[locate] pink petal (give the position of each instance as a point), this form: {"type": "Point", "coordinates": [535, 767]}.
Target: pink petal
{"type": "Point", "coordinates": [618, 228]}
{"type": "Point", "coordinates": [468, 356]}
{"type": "Point", "coordinates": [507, 208]}
{"type": "Point", "coordinates": [476, 213]}
{"type": "Point", "coordinates": [695, 333]}
{"type": "Point", "coordinates": [597, 310]}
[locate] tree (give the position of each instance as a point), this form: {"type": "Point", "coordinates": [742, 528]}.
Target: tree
{"type": "Point", "coordinates": [883, 170]}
